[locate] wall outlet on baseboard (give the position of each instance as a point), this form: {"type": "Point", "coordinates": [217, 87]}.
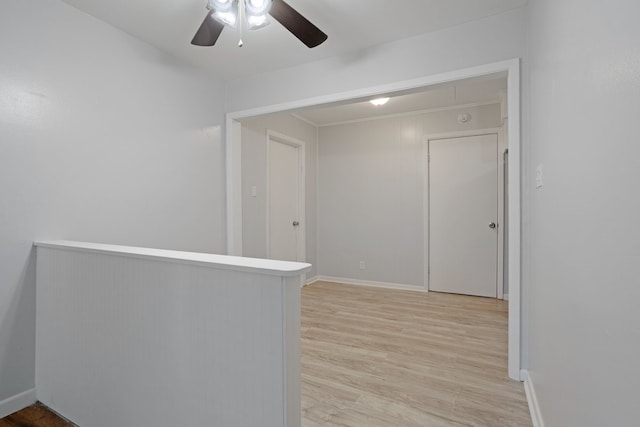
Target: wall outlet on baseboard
{"type": "Point", "coordinates": [361, 265]}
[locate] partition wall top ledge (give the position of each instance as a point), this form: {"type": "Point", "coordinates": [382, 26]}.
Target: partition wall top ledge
{"type": "Point", "coordinates": [225, 262]}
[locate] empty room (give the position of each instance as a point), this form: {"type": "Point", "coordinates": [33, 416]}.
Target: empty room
{"type": "Point", "coordinates": [367, 191]}
{"type": "Point", "coordinates": [303, 213]}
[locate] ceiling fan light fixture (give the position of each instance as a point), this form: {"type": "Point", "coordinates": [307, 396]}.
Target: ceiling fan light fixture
{"type": "Point", "coordinates": [257, 22]}
{"type": "Point", "coordinates": [257, 7]}
{"type": "Point", "coordinates": [379, 101]}
{"type": "Point", "coordinates": [256, 12]}
{"type": "Point", "coordinates": [225, 12]}
{"type": "Point", "coordinates": [221, 5]}
{"type": "Point", "coordinates": [227, 18]}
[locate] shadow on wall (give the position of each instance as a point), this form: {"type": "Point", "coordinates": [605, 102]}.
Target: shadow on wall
{"type": "Point", "coordinates": [17, 333]}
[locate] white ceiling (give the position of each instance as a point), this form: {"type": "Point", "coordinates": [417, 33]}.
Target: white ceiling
{"type": "Point", "coordinates": [464, 92]}
{"type": "Point", "coordinates": [351, 25]}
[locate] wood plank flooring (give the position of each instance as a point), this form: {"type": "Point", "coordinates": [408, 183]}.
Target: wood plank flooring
{"type": "Point", "coordinates": [34, 416]}
{"type": "Point", "coordinates": [377, 357]}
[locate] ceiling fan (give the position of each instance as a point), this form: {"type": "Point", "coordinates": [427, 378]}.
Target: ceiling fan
{"type": "Point", "coordinates": [230, 13]}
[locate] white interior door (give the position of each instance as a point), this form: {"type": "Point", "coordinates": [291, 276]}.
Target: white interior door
{"type": "Point", "coordinates": [284, 212]}
{"type": "Point", "coordinates": [463, 215]}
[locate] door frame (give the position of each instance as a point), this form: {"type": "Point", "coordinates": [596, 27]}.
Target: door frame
{"type": "Point", "coordinates": [281, 138]}
{"type": "Point", "coordinates": [500, 195]}
{"type": "Point", "coordinates": [511, 67]}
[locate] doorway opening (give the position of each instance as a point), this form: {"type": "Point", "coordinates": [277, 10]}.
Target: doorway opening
{"type": "Point", "coordinates": [510, 69]}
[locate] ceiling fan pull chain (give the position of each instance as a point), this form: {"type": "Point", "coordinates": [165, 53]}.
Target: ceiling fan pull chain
{"type": "Point", "coordinates": [240, 16]}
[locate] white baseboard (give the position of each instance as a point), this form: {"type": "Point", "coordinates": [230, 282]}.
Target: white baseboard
{"type": "Point", "coordinates": [310, 281]}
{"type": "Point", "coordinates": [17, 402]}
{"type": "Point", "coordinates": [505, 297]}
{"type": "Point", "coordinates": [369, 283]}
{"type": "Point", "coordinates": [532, 399]}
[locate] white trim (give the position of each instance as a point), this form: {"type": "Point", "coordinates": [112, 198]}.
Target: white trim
{"type": "Point", "coordinates": [302, 219]}
{"type": "Point", "coordinates": [17, 402]}
{"type": "Point", "coordinates": [425, 212]}
{"type": "Point", "coordinates": [285, 361]}
{"type": "Point", "coordinates": [431, 80]}
{"type": "Point", "coordinates": [503, 144]}
{"type": "Point", "coordinates": [524, 375]}
{"type": "Point", "coordinates": [304, 119]}
{"type": "Point", "coordinates": [317, 194]}
{"type": "Point", "coordinates": [505, 297]}
{"type": "Point", "coordinates": [512, 67]}
{"type": "Point", "coordinates": [233, 153]}
{"type": "Point", "coordinates": [406, 114]}
{"type": "Point", "coordinates": [513, 136]}
{"type": "Point", "coordinates": [532, 400]}
{"type": "Point", "coordinates": [311, 281]}
{"type": "Point", "coordinates": [369, 283]}
{"type": "Point", "coordinates": [461, 134]}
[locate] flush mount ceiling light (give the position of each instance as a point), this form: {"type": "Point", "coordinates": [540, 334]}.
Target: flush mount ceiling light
{"type": "Point", "coordinates": [379, 101]}
{"type": "Point", "coordinates": [255, 14]}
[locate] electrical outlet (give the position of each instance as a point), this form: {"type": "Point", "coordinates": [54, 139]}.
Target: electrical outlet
{"type": "Point", "coordinates": [361, 265]}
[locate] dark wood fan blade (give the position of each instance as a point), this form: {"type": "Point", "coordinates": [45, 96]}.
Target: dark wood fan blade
{"type": "Point", "coordinates": [297, 24]}
{"type": "Point", "coordinates": [208, 32]}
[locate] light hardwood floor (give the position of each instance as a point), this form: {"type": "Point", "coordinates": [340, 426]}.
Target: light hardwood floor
{"type": "Point", "coordinates": [379, 357]}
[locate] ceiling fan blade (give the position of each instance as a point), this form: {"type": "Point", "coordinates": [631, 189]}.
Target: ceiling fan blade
{"type": "Point", "coordinates": [297, 24]}
{"type": "Point", "coordinates": [208, 32]}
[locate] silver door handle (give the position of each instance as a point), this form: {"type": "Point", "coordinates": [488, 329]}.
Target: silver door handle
{"type": "Point", "coordinates": [492, 225]}
{"type": "Point", "coordinates": [296, 223]}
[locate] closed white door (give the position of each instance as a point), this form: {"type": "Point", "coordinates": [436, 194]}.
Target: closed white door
{"type": "Point", "coordinates": [284, 201]}
{"type": "Point", "coordinates": [463, 215]}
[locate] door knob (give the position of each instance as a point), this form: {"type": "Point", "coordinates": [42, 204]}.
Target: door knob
{"type": "Point", "coordinates": [296, 223]}
{"type": "Point", "coordinates": [492, 225]}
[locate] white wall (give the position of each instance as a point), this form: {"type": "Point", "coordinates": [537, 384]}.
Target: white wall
{"type": "Point", "coordinates": [103, 139]}
{"type": "Point", "coordinates": [254, 173]}
{"type": "Point", "coordinates": [585, 236]}
{"type": "Point", "coordinates": [484, 41]}
{"type": "Point", "coordinates": [152, 338]}
{"type": "Point", "coordinates": [371, 194]}
{"type": "Point", "coordinates": [497, 38]}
